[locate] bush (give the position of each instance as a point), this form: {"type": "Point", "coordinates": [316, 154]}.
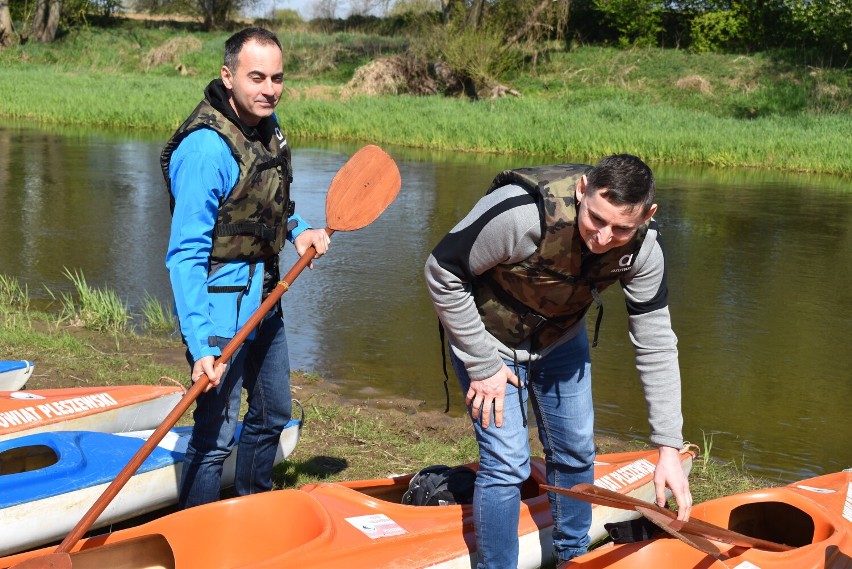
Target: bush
{"type": "Point", "coordinates": [713, 31]}
{"type": "Point", "coordinates": [478, 56]}
{"type": "Point", "coordinates": [637, 21]}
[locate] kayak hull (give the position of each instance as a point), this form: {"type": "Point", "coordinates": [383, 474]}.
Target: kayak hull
{"type": "Point", "coordinates": [321, 524]}
{"type": "Point", "coordinates": [813, 516]}
{"type": "Point", "coordinates": [111, 409]}
{"type": "Point", "coordinates": [14, 374]}
{"type": "Point", "coordinates": [41, 505]}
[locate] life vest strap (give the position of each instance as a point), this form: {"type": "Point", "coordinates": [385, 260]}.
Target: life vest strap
{"type": "Point", "coordinates": [260, 230]}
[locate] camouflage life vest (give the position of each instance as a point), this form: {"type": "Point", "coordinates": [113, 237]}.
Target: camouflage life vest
{"type": "Point", "coordinates": [252, 220]}
{"type": "Point", "coordinates": [543, 296]}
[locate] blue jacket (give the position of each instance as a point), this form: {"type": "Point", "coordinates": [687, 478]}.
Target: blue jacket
{"type": "Point", "coordinates": [203, 172]}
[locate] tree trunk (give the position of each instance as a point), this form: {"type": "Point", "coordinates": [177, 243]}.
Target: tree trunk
{"type": "Point", "coordinates": [474, 17]}
{"type": "Point", "coordinates": [37, 26]}
{"type": "Point", "coordinates": [7, 30]}
{"type": "Point", "coordinates": [46, 20]}
{"type": "Point", "coordinates": [447, 7]}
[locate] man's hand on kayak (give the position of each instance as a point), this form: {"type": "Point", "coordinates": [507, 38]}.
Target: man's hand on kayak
{"type": "Point", "coordinates": [669, 473]}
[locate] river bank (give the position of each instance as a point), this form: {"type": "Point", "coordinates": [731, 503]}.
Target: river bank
{"type": "Point", "coordinates": [756, 110]}
{"type": "Point", "coordinates": [343, 438]}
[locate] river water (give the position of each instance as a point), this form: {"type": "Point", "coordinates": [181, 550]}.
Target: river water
{"type": "Point", "coordinates": [759, 273]}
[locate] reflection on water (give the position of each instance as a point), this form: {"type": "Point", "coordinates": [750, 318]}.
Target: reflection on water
{"type": "Point", "coordinates": [758, 273]}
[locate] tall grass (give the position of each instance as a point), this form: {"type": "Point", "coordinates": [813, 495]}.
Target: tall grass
{"type": "Point", "coordinates": [156, 317]}
{"type": "Point", "coordinates": [97, 309]}
{"type": "Point", "coordinates": [711, 478]}
{"type": "Point", "coordinates": [13, 296]}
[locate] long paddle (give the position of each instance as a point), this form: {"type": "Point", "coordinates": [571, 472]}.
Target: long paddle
{"type": "Point", "coordinates": [604, 497]}
{"type": "Point", "coordinates": [672, 528]}
{"type": "Point", "coordinates": [359, 193]}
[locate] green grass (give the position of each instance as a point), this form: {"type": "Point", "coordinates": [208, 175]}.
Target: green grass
{"type": "Point", "coordinates": [96, 309]}
{"type": "Point", "coordinates": [157, 318]}
{"type": "Point", "coordinates": [13, 296]}
{"type": "Point", "coordinates": [760, 110]}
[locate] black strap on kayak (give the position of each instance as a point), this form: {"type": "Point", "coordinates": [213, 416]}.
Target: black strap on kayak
{"type": "Point", "coordinates": [630, 531]}
{"type": "Point", "coordinates": [444, 364]}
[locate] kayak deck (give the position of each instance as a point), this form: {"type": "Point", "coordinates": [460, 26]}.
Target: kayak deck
{"type": "Point", "coordinates": [362, 522]}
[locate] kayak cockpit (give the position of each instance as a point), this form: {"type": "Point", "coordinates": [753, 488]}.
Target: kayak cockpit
{"type": "Point", "coordinates": [145, 552]}
{"type": "Point", "coordinates": [779, 522]}
{"type": "Point", "coordinates": [27, 459]}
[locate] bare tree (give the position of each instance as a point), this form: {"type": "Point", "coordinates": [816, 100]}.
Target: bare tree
{"type": "Point", "coordinates": [366, 7]}
{"type": "Point", "coordinates": [7, 30]}
{"type": "Point", "coordinates": [216, 12]}
{"type": "Point", "coordinates": [533, 20]}
{"type": "Point", "coordinates": [476, 14]}
{"type": "Point", "coordinates": [324, 9]}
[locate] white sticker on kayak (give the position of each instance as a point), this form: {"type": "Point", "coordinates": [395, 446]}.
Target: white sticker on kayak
{"type": "Point", "coordinates": [815, 489]}
{"type": "Point", "coordinates": [626, 475]}
{"type": "Point", "coordinates": [25, 395]}
{"type": "Point", "coordinates": [376, 526]}
{"type": "Point", "coordinates": [847, 506]}
{"type": "Point", "coordinates": [746, 565]}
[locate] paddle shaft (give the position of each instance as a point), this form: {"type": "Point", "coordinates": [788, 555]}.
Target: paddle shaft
{"type": "Point", "coordinates": [197, 388]}
{"type": "Point", "coordinates": [665, 523]}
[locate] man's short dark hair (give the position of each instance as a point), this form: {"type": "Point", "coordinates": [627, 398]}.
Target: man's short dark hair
{"type": "Point", "coordinates": [235, 43]}
{"type": "Point", "coordinates": [623, 180]}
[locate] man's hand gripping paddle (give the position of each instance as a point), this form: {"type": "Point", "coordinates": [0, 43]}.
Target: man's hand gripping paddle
{"type": "Point", "coordinates": [360, 191]}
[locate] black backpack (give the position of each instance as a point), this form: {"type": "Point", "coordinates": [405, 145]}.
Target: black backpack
{"type": "Point", "coordinates": [440, 485]}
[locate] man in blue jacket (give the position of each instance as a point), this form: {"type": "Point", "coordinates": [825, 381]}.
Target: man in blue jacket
{"type": "Point", "coordinates": [228, 170]}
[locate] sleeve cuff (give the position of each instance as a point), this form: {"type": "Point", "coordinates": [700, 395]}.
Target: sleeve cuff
{"type": "Point", "coordinates": [205, 350]}
{"type": "Point", "coordinates": [295, 226]}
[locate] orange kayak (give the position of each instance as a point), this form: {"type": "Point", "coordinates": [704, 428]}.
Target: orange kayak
{"type": "Point", "coordinates": [114, 409]}
{"type": "Point", "coordinates": [362, 524]}
{"type": "Point", "coordinates": [813, 516]}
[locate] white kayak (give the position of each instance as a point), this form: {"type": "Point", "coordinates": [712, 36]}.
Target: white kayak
{"type": "Point", "coordinates": [108, 409]}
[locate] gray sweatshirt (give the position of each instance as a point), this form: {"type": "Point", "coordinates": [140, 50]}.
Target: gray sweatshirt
{"type": "Point", "coordinates": [504, 227]}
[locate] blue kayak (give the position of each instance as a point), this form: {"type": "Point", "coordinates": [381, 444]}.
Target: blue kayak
{"type": "Point", "coordinates": [14, 374]}
{"type": "Point", "coordinates": [48, 481]}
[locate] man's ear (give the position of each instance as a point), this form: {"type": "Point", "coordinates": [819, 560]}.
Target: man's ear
{"type": "Point", "coordinates": [227, 77]}
{"type": "Point", "coordinates": [651, 211]}
{"type": "Point", "coordinates": [580, 190]}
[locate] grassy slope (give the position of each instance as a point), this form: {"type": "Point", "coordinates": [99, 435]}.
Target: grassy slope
{"type": "Point", "coordinates": [665, 105]}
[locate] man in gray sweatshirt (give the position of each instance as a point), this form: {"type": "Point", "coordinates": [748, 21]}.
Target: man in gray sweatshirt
{"type": "Point", "coordinates": [511, 284]}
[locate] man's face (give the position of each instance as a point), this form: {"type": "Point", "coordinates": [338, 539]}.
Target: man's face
{"type": "Point", "coordinates": [603, 225]}
{"type": "Point", "coordinates": [257, 82]}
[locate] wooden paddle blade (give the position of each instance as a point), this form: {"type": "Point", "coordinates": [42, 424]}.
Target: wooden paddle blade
{"type": "Point", "coordinates": [628, 502]}
{"type": "Point", "coordinates": [362, 189]}
{"type": "Point", "coordinates": [588, 493]}
{"type": "Point", "coordinates": [672, 527]}
{"type": "Point", "coordinates": [604, 497]}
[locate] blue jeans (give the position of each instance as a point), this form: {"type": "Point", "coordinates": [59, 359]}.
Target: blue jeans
{"type": "Point", "coordinates": [262, 367]}
{"type": "Point", "coordinates": [560, 386]}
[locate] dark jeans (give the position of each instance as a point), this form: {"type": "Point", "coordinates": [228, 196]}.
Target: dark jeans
{"type": "Point", "coordinates": [261, 366]}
